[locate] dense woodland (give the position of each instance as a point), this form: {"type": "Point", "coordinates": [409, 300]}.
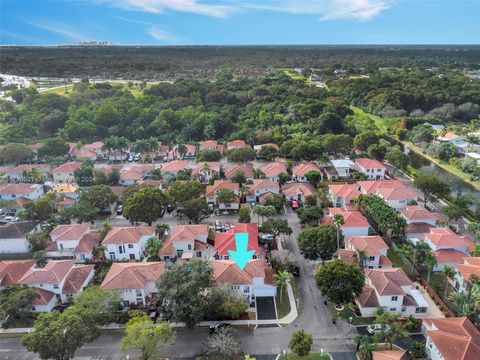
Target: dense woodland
{"type": "Point", "coordinates": [162, 62]}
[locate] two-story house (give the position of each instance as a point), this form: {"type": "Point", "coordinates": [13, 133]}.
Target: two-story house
{"type": "Point", "coordinates": [132, 174]}
{"type": "Point", "coordinates": [13, 191]}
{"type": "Point", "coordinates": [448, 247]}
{"type": "Point", "coordinates": [394, 192]}
{"type": "Point", "coordinates": [297, 191]}
{"type": "Point", "coordinates": [11, 271]}
{"type": "Point", "coordinates": [354, 223]}
{"type": "Point", "coordinates": [62, 278]}
{"type": "Point", "coordinates": [392, 291]}
{"type": "Point", "coordinates": [225, 241]}
{"type": "Point", "coordinates": [230, 170]}
{"type": "Point", "coordinates": [171, 169]}
{"type": "Point", "coordinates": [237, 144]}
{"type": "Point", "coordinates": [342, 195]}
{"type": "Point", "coordinates": [73, 240]}
{"type": "Point", "coordinates": [212, 191]}
{"type": "Point", "coordinates": [135, 281]}
{"type": "Point", "coordinates": [13, 236]}
{"type": "Point", "coordinates": [466, 273]}
{"type": "Point", "coordinates": [373, 247]}
{"type": "Point", "coordinates": [127, 243]}
{"type": "Point", "coordinates": [414, 214]}
{"type": "Point", "coordinates": [371, 168]}
{"type": "Point", "coordinates": [299, 171]}
{"type": "Point", "coordinates": [190, 151]}
{"type": "Point", "coordinates": [205, 171]}
{"type": "Point", "coordinates": [17, 173]}
{"type": "Point", "coordinates": [65, 172]}
{"type": "Point", "coordinates": [272, 170]}
{"type": "Point", "coordinates": [185, 242]}
{"type": "Point", "coordinates": [451, 339]}
{"type": "Point", "coordinates": [255, 280]}
{"type": "Point", "coordinates": [260, 187]}
{"type": "Point", "coordinates": [342, 168]}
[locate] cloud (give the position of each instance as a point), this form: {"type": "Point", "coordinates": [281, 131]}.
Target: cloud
{"type": "Point", "coordinates": [163, 35]}
{"type": "Point", "coordinates": [219, 10]}
{"type": "Point", "coordinates": [328, 9]}
{"type": "Point", "coordinates": [58, 29]}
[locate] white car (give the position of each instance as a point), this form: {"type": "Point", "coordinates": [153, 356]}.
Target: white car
{"type": "Point", "coordinates": [268, 237]}
{"type": "Point", "coordinates": [375, 328]}
{"type": "Point", "coordinates": [9, 218]}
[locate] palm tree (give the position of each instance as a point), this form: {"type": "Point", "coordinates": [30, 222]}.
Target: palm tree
{"type": "Point", "coordinates": [430, 262]}
{"type": "Point", "coordinates": [281, 279]}
{"type": "Point", "coordinates": [338, 220]}
{"type": "Point", "coordinates": [365, 345]}
{"type": "Point", "coordinates": [161, 229]}
{"type": "Point", "coordinates": [258, 174]}
{"type": "Point", "coordinates": [466, 303]}
{"type": "Point", "coordinates": [448, 272]}
{"type": "Point", "coordinates": [182, 150]}
{"type": "Point", "coordinates": [362, 257]}
{"type": "Point", "coordinates": [474, 228]}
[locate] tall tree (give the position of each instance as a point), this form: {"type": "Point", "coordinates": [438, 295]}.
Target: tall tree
{"type": "Point", "coordinates": [281, 278]}
{"type": "Point", "coordinates": [301, 343]}
{"type": "Point", "coordinates": [197, 210]}
{"type": "Point", "coordinates": [318, 242]}
{"type": "Point", "coordinates": [16, 303]}
{"type": "Point", "coordinates": [276, 227]}
{"type": "Point", "coordinates": [431, 186]}
{"type": "Point", "coordinates": [146, 205]}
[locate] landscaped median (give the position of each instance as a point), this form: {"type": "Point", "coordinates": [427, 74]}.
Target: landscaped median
{"type": "Point", "coordinates": [311, 356]}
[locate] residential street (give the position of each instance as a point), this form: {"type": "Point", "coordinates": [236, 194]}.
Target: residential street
{"type": "Point", "coordinates": [314, 317]}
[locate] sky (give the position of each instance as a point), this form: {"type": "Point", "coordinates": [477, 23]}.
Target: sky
{"type": "Point", "coordinates": [240, 22]}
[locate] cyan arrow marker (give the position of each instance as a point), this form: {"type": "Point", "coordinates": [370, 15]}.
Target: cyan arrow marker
{"type": "Point", "coordinates": [242, 255]}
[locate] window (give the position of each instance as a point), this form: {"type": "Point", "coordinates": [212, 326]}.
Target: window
{"type": "Point", "coordinates": [132, 256]}
{"type": "Point", "coordinates": [404, 309]}
{"type": "Point", "coordinates": [246, 289]}
{"type": "Point", "coordinates": [199, 254]}
{"type": "Point", "coordinates": [82, 257]}
{"type": "Point", "coordinates": [61, 246]}
{"type": "Point", "coordinates": [120, 249]}
{"type": "Point", "coordinates": [394, 298]}
{"type": "Point", "coordinates": [112, 256]}
{"type": "Point", "coordinates": [371, 258]}
{"type": "Point", "coordinates": [392, 309]}
{"type": "Point", "coordinates": [189, 246]}
{"type": "Point", "coordinates": [226, 257]}
{"type": "Point", "coordinates": [379, 170]}
{"type": "Point", "coordinates": [130, 246]}
{"type": "Point", "coordinates": [420, 310]}
{"type": "Point", "coordinates": [55, 286]}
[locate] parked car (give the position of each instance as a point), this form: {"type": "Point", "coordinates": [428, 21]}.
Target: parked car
{"type": "Point", "coordinates": [215, 327]}
{"type": "Point", "coordinates": [8, 218]}
{"type": "Point", "coordinates": [375, 328]}
{"type": "Point", "coordinates": [267, 237]}
{"type": "Point", "coordinates": [136, 157]}
{"type": "Point", "coordinates": [130, 158]}
{"type": "Point", "coordinates": [295, 205]}
{"type": "Point", "coordinates": [119, 209]}
{"type": "Point", "coordinates": [170, 208]}
{"type": "Point", "coordinates": [218, 225]}
{"type": "Point", "coordinates": [296, 271]}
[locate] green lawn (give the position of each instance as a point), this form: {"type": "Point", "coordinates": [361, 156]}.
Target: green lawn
{"type": "Point", "coordinates": [283, 309]}
{"type": "Point", "coordinates": [397, 261]}
{"type": "Point", "coordinates": [311, 356]}
{"type": "Point", "coordinates": [347, 312]}
{"type": "Point", "coordinates": [59, 90]}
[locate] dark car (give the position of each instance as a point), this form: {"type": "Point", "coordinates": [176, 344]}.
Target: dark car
{"type": "Point", "coordinates": [296, 271]}
{"type": "Point", "coordinates": [215, 327]}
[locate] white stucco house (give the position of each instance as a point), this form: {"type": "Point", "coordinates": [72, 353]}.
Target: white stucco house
{"type": "Point", "coordinates": [127, 243]}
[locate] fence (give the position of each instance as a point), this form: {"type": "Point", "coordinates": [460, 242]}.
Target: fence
{"type": "Point", "coordinates": [442, 306]}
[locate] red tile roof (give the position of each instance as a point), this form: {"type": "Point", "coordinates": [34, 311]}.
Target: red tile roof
{"type": "Point", "coordinates": [44, 297]}
{"type": "Point", "coordinates": [449, 256]}
{"type": "Point", "coordinates": [346, 191]}
{"type": "Point", "coordinates": [368, 298]}
{"type": "Point", "coordinates": [68, 167]}
{"type": "Point", "coordinates": [174, 166]}
{"type": "Point", "coordinates": [53, 273]}
{"type": "Point", "coordinates": [226, 272]}
{"type": "Point", "coordinates": [76, 278]}
{"type": "Point", "coordinates": [208, 144]}
{"type": "Point", "coordinates": [348, 255]}
{"type": "Point", "coordinates": [69, 232]}
{"type": "Point", "coordinates": [469, 268]}
{"type": "Point", "coordinates": [369, 163]}
{"type": "Point", "coordinates": [11, 271]}
{"type": "Point", "coordinates": [455, 338]}
{"type": "Point", "coordinates": [212, 165]}
{"type": "Point", "coordinates": [18, 188]}
{"type": "Point", "coordinates": [390, 355]}
{"type": "Point", "coordinates": [302, 169]}
{"type": "Point", "coordinates": [190, 233]}
{"type": "Point", "coordinates": [417, 212]}
{"type": "Point", "coordinates": [237, 143]}
{"type": "Point", "coordinates": [132, 275]}
{"type": "Point", "coordinates": [372, 245]}
{"type": "Point", "coordinates": [88, 242]}
{"type": "Point", "coordinates": [263, 184]}
{"type": "Point", "coordinates": [273, 169]}
{"type": "Point", "coordinates": [226, 241]}
{"type": "Point", "coordinates": [388, 281]}
{"type": "Point", "coordinates": [446, 237]}
{"type": "Point", "coordinates": [293, 189]}
{"type": "Point", "coordinates": [388, 189]}
{"type": "Point", "coordinates": [231, 169]}
{"type": "Point", "coordinates": [353, 218]}
{"type": "Point", "coordinates": [221, 184]}
{"type": "Point", "coordinates": [127, 235]}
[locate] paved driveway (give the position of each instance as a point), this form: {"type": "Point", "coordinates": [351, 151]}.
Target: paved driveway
{"type": "Point", "coordinates": [266, 308]}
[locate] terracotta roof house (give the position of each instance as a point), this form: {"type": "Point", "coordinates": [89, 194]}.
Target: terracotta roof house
{"type": "Point", "coordinates": [96, 147]}
{"type": "Point", "coordinates": [272, 170]}
{"type": "Point", "coordinates": [11, 271]}
{"type": "Point", "coordinates": [343, 194]}
{"type": "Point", "coordinates": [371, 168]}
{"type": "Point", "coordinates": [414, 214]}
{"type": "Point", "coordinates": [391, 290]}
{"type": "Point", "coordinates": [13, 191]}
{"type": "Point", "coordinates": [135, 281]}
{"type": "Point", "coordinates": [260, 187]}
{"type": "Point", "coordinates": [451, 339]}
{"type": "Point", "coordinates": [394, 192]}
{"type": "Point", "coordinates": [237, 144]}
{"type": "Point", "coordinates": [132, 174]}
{"type": "Point", "coordinates": [127, 243]}
{"type": "Point", "coordinates": [466, 272]}
{"type": "Point", "coordinates": [65, 172]}
{"type": "Point", "coordinates": [170, 169]}
{"type": "Point", "coordinates": [390, 355]}
{"type": "Point", "coordinates": [231, 170]}
{"type": "Point", "coordinates": [225, 241]}
{"type": "Point", "coordinates": [83, 153]}
{"type": "Point", "coordinates": [185, 242]}
{"type": "Point", "coordinates": [205, 171]}
{"type": "Point", "coordinates": [208, 145]}
{"type": "Point", "coordinates": [297, 191]}
{"type": "Point", "coordinates": [300, 170]}
{"type": "Point", "coordinates": [53, 277]}
{"type": "Point", "coordinates": [355, 224]}
{"type": "Point", "coordinates": [13, 236]}
{"type": "Point", "coordinates": [449, 248]}
{"type": "Point", "coordinates": [255, 280]}
{"type": "Point", "coordinates": [212, 190]}
{"type": "Point", "coordinates": [45, 301]}
{"type": "Point", "coordinates": [348, 256]}
{"type": "Point", "coordinates": [73, 240]}
{"type": "Point", "coordinates": [374, 248]}
{"type": "Point", "coordinates": [17, 173]}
